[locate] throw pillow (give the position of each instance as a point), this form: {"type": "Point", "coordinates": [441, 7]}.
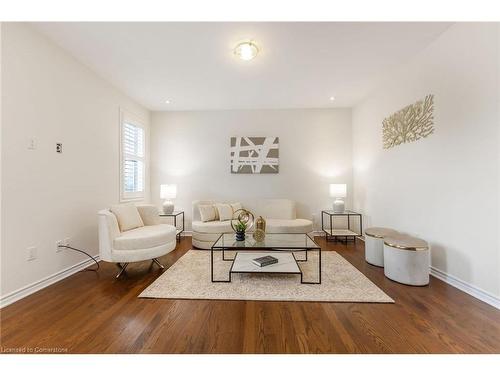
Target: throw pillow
{"type": "Point", "coordinates": [127, 216]}
{"type": "Point", "coordinates": [236, 206]}
{"type": "Point", "coordinates": [207, 212]}
{"type": "Point", "coordinates": [225, 211]}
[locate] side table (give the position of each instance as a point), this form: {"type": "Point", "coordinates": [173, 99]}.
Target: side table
{"type": "Point", "coordinates": [175, 214]}
{"type": "Point", "coordinates": [333, 234]}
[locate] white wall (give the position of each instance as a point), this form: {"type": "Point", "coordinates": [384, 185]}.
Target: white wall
{"type": "Point", "coordinates": [498, 149]}
{"type": "Point", "coordinates": [1, 127]}
{"type": "Point", "coordinates": [498, 146]}
{"type": "Point", "coordinates": [191, 149]}
{"type": "Point", "coordinates": [49, 96]}
{"type": "Point", "coordinates": [443, 188]}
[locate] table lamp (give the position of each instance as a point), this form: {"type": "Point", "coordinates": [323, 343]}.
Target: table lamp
{"type": "Point", "coordinates": [338, 191]}
{"type": "Point", "coordinates": [168, 192]}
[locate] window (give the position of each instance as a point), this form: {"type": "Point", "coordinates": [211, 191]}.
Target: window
{"type": "Point", "coordinates": [132, 159]}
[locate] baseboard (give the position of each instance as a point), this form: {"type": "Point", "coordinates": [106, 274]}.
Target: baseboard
{"type": "Point", "coordinates": [466, 287]}
{"type": "Point", "coordinates": [45, 282]}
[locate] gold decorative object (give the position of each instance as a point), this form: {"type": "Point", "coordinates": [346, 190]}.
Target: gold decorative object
{"type": "Point", "coordinates": [260, 229]}
{"type": "Point", "coordinates": [410, 123]}
{"type": "Point", "coordinates": [241, 222]}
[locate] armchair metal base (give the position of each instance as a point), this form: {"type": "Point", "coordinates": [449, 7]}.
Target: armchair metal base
{"type": "Point", "coordinates": [122, 269]}
{"type": "Point", "coordinates": [158, 263]}
{"type": "Point", "coordinates": [123, 266]}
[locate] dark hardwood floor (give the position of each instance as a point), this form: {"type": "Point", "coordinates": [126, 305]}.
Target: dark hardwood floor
{"type": "Point", "coordinates": [94, 313]}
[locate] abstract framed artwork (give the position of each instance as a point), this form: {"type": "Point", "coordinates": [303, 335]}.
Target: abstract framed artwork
{"type": "Point", "coordinates": [254, 155]}
{"type": "Point", "coordinates": [409, 124]}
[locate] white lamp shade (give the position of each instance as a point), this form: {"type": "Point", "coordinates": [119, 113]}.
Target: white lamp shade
{"type": "Point", "coordinates": [338, 190]}
{"type": "Point", "coordinates": [168, 191]}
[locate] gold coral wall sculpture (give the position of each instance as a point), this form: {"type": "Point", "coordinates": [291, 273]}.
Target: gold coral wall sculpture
{"type": "Point", "coordinates": [409, 124]}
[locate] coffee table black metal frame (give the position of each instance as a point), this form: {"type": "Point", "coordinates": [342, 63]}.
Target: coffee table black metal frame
{"type": "Point", "coordinates": [330, 233]}
{"type": "Point", "coordinates": [174, 214]}
{"type": "Point", "coordinates": [258, 247]}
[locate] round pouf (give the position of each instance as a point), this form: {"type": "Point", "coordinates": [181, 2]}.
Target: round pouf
{"type": "Point", "coordinates": [374, 244]}
{"type": "Point", "coordinates": [407, 260]}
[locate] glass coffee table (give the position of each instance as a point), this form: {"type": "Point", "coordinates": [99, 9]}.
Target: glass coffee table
{"type": "Point", "coordinates": [283, 246]}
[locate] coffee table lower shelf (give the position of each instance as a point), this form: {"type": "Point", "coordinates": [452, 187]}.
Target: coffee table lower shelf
{"type": "Point", "coordinates": [287, 265]}
{"type": "Point", "coordinates": [338, 234]}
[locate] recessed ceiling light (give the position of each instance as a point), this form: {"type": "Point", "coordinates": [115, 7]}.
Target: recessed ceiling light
{"type": "Point", "coordinates": [167, 101]}
{"type": "Point", "coordinates": [332, 98]}
{"type": "Point", "coordinates": [246, 50]}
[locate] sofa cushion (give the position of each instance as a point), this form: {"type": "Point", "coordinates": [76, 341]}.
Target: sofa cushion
{"type": "Point", "coordinates": [145, 237]}
{"type": "Point", "coordinates": [276, 209]}
{"type": "Point", "coordinates": [207, 212]}
{"type": "Point", "coordinates": [196, 211]}
{"type": "Point", "coordinates": [149, 214]}
{"type": "Point", "coordinates": [128, 216]}
{"type": "Point", "coordinates": [212, 226]}
{"type": "Point", "coordinates": [288, 226]}
{"type": "Point", "coordinates": [225, 211]}
{"type": "Point", "coordinates": [236, 206]}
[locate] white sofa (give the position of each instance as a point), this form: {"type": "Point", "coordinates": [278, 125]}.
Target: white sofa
{"type": "Point", "coordinates": [144, 243]}
{"type": "Point", "coordinates": [280, 216]}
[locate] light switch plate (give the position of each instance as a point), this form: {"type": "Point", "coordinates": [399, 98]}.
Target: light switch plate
{"type": "Point", "coordinates": [32, 144]}
{"type": "Point", "coordinates": [31, 253]}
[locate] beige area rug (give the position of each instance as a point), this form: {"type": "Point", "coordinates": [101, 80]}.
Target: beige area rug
{"type": "Point", "coordinates": [189, 278]}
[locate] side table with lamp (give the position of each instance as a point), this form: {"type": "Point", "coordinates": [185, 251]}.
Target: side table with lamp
{"type": "Point", "coordinates": [169, 192]}
{"type": "Point", "coordinates": [339, 192]}
{"type": "Point", "coordinates": [175, 215]}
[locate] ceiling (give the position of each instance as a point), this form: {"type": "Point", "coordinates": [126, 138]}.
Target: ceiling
{"type": "Point", "coordinates": [300, 65]}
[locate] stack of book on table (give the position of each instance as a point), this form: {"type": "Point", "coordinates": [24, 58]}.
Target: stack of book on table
{"type": "Point", "coordinates": [265, 261]}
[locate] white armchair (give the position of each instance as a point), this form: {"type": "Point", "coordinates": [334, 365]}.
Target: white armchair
{"type": "Point", "coordinates": [146, 242]}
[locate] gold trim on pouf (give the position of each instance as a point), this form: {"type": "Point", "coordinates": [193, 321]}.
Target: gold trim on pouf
{"type": "Point", "coordinates": [379, 232]}
{"type": "Point", "coordinates": [406, 243]}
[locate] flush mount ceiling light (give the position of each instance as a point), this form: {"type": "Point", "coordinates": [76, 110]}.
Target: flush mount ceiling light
{"type": "Point", "coordinates": [167, 101]}
{"type": "Point", "coordinates": [332, 98]}
{"type": "Point", "coordinates": [246, 50]}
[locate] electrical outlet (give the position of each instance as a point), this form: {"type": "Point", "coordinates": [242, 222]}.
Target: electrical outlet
{"type": "Point", "coordinates": [31, 253]}
{"type": "Point", "coordinates": [32, 144]}
{"type": "Point", "coordinates": [59, 148]}
{"type": "Point", "coordinates": [59, 243]}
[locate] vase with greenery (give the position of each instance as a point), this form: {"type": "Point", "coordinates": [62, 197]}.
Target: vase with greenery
{"type": "Point", "coordinates": [240, 231]}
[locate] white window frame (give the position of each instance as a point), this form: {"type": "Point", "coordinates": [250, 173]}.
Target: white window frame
{"type": "Point", "coordinates": [129, 118]}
